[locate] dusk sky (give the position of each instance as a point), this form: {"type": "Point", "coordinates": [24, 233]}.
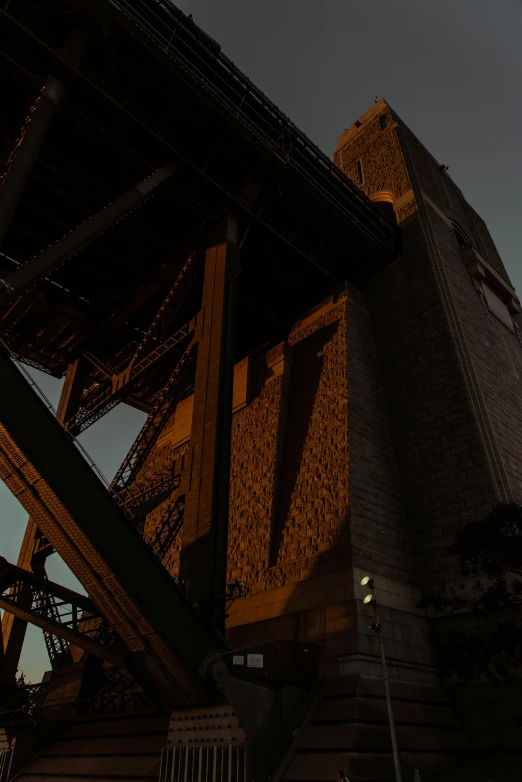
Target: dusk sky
{"type": "Point", "coordinates": [451, 69]}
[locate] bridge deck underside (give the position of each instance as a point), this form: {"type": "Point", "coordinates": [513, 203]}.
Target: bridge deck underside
{"type": "Point", "coordinates": [128, 109]}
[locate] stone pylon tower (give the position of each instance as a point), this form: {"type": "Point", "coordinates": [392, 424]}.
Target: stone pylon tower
{"type": "Point", "coordinates": [388, 417]}
{"type": "Point", "coordinates": [445, 318]}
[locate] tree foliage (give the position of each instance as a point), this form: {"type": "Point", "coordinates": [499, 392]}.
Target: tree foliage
{"type": "Point", "coordinates": [484, 637]}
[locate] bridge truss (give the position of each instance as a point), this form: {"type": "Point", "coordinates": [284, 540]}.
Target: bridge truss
{"type": "Point", "coordinates": [157, 213]}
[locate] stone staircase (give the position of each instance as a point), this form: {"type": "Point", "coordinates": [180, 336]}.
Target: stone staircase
{"type": "Point", "coordinates": [119, 748]}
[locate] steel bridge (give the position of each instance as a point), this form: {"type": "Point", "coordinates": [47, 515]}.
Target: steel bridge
{"type": "Point", "coordinates": [159, 219]}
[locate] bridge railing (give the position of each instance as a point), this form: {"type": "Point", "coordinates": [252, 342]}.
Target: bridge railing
{"type": "Point", "coordinates": [200, 60]}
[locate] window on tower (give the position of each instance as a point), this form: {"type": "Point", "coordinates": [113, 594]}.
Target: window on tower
{"type": "Point", "coordinates": [358, 172]}
{"type": "Point", "coordinates": [461, 235]}
{"type": "Point", "coordinates": [383, 121]}
{"type": "Point", "coordinates": [497, 306]}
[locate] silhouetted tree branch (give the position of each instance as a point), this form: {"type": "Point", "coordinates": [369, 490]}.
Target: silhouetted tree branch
{"type": "Point", "coordinates": [488, 641]}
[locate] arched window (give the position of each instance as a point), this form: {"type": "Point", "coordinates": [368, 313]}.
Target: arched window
{"type": "Point", "coordinates": [462, 237]}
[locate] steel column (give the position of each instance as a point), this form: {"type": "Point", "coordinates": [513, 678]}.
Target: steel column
{"type": "Point", "coordinates": [13, 627]}
{"type": "Point", "coordinates": [203, 558]}
{"type": "Point", "coordinates": [71, 391]}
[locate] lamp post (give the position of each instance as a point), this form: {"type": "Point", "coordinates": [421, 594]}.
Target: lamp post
{"type": "Point", "coordinates": [376, 627]}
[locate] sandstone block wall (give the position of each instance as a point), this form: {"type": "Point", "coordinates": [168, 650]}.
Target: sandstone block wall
{"type": "Point", "coordinates": [388, 418]}
{"type": "Point", "coordinates": [315, 497]}
{"type": "Point", "coordinates": [379, 532]}
{"type": "Point", "coordinates": [449, 365]}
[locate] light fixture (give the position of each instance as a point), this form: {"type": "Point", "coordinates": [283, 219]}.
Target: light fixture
{"type": "Point", "coordinates": [365, 580]}
{"type": "Point", "coordinates": [368, 599]}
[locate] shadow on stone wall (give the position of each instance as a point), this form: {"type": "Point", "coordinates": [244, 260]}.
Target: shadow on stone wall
{"type": "Point", "coordinates": [307, 368]}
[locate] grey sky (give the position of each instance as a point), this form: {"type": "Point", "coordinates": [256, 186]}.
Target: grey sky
{"type": "Point", "coordinates": [452, 69]}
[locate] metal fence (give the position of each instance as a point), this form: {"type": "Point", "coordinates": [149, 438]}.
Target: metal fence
{"type": "Point", "coordinates": [204, 763]}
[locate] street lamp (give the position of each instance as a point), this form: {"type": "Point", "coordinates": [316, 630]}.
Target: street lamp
{"type": "Point", "coordinates": [369, 599]}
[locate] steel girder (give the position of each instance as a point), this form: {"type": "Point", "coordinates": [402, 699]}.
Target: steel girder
{"type": "Point", "coordinates": [26, 149]}
{"type": "Point", "coordinates": [100, 398]}
{"type": "Point", "coordinates": [38, 122]}
{"type": "Point", "coordinates": [57, 611]}
{"type": "Point", "coordinates": [28, 274]}
{"type": "Point", "coordinates": [75, 512]}
{"type": "Point", "coordinates": [311, 170]}
{"type": "Point", "coordinates": [169, 309]}
{"type": "Point", "coordinates": [198, 60]}
{"type": "Point", "coordinates": [33, 554]}
{"type": "Point", "coordinates": [172, 393]}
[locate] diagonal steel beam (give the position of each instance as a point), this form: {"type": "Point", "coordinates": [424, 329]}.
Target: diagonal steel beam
{"type": "Point", "coordinates": [145, 495]}
{"type": "Point", "coordinates": [44, 263]}
{"type": "Point", "coordinates": [166, 401]}
{"type": "Point", "coordinates": [37, 592]}
{"type": "Point", "coordinates": [24, 154]}
{"type": "Point", "coordinates": [32, 553]}
{"type": "Point", "coordinates": [76, 513]}
{"type": "Point", "coordinates": [100, 399]}
{"type": "Point", "coordinates": [169, 308]}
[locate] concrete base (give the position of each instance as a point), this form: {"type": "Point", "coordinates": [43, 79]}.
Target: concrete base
{"type": "Point", "coordinates": [367, 665]}
{"type": "Point", "coordinates": [350, 730]}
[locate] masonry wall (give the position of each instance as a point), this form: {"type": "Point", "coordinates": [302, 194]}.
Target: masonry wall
{"type": "Point", "coordinates": [440, 450]}
{"type": "Point", "coordinates": [388, 418]}
{"type": "Point", "coordinates": [494, 348]}
{"type": "Point", "coordinates": [496, 353]}
{"type": "Point", "coordinates": [449, 365]}
{"type": "Point", "coordinates": [315, 497]}
{"type": "Point", "coordinates": [380, 535]}
{"type": "Point", "coordinates": [448, 197]}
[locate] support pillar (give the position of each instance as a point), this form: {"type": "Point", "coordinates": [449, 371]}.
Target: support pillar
{"type": "Point", "coordinates": [14, 628]}
{"type": "Point", "coordinates": [205, 528]}
{"type": "Point", "coordinates": [73, 386]}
